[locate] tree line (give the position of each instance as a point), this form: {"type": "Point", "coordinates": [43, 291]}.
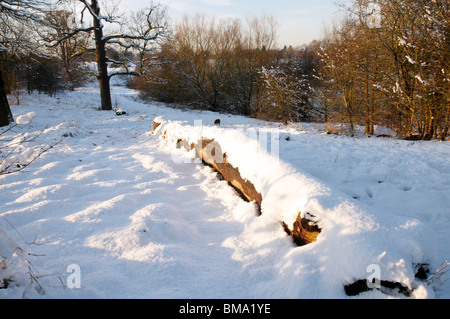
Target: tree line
{"type": "Point", "coordinates": [385, 63]}
{"type": "Point", "coordinates": [61, 42]}
{"type": "Point", "coordinates": [235, 67]}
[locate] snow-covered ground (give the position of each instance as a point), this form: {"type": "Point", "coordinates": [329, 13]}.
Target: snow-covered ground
{"type": "Point", "coordinates": [111, 200]}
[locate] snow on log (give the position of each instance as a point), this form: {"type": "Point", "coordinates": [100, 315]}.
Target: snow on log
{"type": "Point", "coordinates": [304, 231]}
{"type": "Point", "coordinates": [348, 246]}
{"type": "Point", "coordinates": [211, 153]}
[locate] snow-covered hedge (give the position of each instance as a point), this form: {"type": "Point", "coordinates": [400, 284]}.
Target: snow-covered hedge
{"type": "Point", "coordinates": [356, 242]}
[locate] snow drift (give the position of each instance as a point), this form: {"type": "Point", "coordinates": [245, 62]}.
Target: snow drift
{"type": "Point", "coordinates": [356, 242]}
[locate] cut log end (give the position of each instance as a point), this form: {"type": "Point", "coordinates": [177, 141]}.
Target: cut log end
{"type": "Point", "coordinates": [304, 231]}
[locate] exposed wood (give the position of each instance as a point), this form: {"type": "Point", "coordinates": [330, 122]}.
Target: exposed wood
{"type": "Point", "coordinates": [211, 153]}
{"type": "Point", "coordinates": [303, 232]}
{"type": "Point", "coordinates": [155, 125]}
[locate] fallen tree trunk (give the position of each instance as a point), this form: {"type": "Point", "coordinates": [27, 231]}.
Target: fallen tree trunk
{"type": "Point", "coordinates": [210, 152]}
{"type": "Point", "coordinates": [304, 231]}
{"type": "Point", "coordinates": [294, 217]}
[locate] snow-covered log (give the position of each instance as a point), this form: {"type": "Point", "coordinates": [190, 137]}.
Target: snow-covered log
{"type": "Point", "coordinates": [303, 231]}
{"type": "Point", "coordinates": [211, 153]}
{"type": "Point", "coordinates": [362, 250]}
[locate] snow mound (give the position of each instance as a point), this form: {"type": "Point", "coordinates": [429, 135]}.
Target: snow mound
{"type": "Point", "coordinates": [25, 118]}
{"type": "Point", "coordinates": [356, 242]}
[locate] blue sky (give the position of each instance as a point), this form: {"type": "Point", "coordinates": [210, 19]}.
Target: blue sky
{"type": "Point", "coordinates": [300, 21]}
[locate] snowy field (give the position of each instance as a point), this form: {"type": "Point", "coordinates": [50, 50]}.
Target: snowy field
{"type": "Point", "coordinates": [110, 205]}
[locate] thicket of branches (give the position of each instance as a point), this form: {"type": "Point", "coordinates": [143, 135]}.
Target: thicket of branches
{"type": "Point", "coordinates": [386, 63]}
{"type": "Point", "coordinates": [231, 66]}
{"type": "Point", "coordinates": [45, 45]}
{"type": "Point", "coordinates": [213, 64]}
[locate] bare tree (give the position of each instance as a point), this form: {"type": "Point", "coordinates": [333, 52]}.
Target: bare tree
{"type": "Point", "coordinates": [137, 38]}
{"type": "Point", "coordinates": [413, 39]}
{"type": "Point", "coordinates": [279, 95]}
{"type": "Point", "coordinates": [6, 116]}
{"type": "Point", "coordinates": [73, 71]}
{"type": "Point", "coordinates": [215, 63]}
{"type": "Point", "coordinates": [338, 53]}
{"type": "Point", "coordinates": [255, 51]}
{"type": "Point", "coordinates": [202, 49]}
{"type": "Point", "coordinates": [14, 16]}
{"type": "Point", "coordinates": [388, 62]}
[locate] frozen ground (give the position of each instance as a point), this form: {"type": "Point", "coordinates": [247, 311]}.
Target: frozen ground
{"type": "Point", "coordinates": [111, 199]}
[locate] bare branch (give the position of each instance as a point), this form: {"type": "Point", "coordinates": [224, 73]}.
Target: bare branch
{"type": "Point", "coordinates": [115, 73]}
{"type": "Point", "coordinates": [10, 165]}
{"type": "Point", "coordinates": [68, 35]}
{"type": "Point", "coordinates": [19, 167]}
{"type": "Point", "coordinates": [130, 37]}
{"type": "Point", "coordinates": [81, 52]}
{"type": "Point", "coordinates": [91, 11]}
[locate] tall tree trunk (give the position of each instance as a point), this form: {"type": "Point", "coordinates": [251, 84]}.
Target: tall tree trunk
{"type": "Point", "coordinates": [100, 56]}
{"type": "Point", "coordinates": [445, 131]}
{"type": "Point", "coordinates": [6, 116]}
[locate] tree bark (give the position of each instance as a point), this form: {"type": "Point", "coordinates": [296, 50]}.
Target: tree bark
{"type": "Point", "coordinates": [6, 116]}
{"type": "Point", "coordinates": [445, 131]}
{"type": "Point", "coordinates": [100, 56]}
